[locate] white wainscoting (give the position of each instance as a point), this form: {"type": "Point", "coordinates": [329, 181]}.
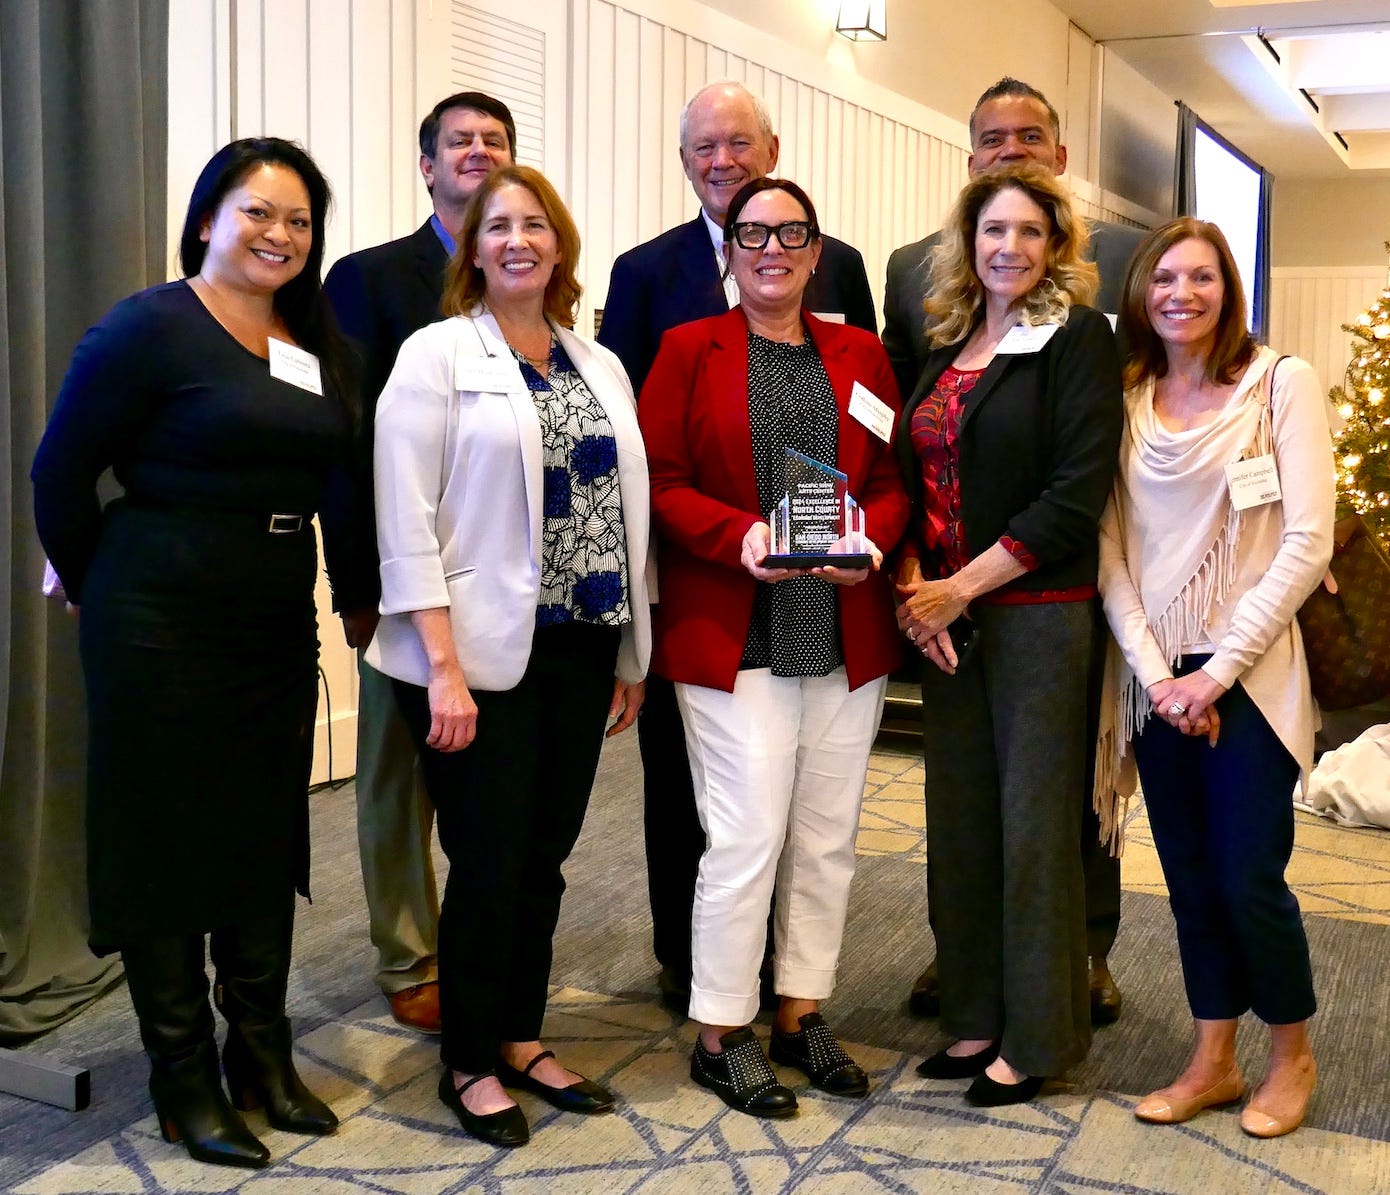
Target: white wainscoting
{"type": "Point", "coordinates": [881, 170]}
{"type": "Point", "coordinates": [1309, 305]}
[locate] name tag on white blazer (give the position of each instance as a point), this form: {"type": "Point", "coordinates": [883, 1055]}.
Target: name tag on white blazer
{"type": "Point", "coordinates": [490, 375]}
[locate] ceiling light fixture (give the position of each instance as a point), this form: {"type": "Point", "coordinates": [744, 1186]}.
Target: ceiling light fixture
{"type": "Point", "coordinates": [863, 20]}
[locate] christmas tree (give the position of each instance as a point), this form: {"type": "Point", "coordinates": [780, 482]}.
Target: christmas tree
{"type": "Point", "coordinates": [1363, 448]}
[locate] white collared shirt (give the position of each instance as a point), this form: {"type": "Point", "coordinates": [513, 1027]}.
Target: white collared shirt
{"type": "Point", "coordinates": [716, 236]}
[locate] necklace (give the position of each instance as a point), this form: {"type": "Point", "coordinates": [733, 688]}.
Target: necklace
{"type": "Point", "coordinates": [512, 336]}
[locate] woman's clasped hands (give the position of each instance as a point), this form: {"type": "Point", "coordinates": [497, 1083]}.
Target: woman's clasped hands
{"type": "Point", "coordinates": [1189, 704]}
{"type": "Point", "coordinates": [926, 610]}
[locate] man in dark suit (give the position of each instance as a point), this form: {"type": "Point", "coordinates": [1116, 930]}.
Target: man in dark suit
{"type": "Point", "coordinates": [381, 296]}
{"type": "Point", "coordinates": [726, 139]}
{"type": "Point", "coordinates": [1013, 122]}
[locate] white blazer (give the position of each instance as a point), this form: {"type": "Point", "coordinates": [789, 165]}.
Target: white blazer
{"type": "Point", "coordinates": [458, 471]}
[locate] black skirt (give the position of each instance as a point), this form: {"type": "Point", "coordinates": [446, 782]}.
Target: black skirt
{"type": "Point", "coordinates": [199, 647]}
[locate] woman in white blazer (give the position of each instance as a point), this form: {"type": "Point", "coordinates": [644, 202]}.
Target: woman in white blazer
{"type": "Point", "coordinates": [511, 495]}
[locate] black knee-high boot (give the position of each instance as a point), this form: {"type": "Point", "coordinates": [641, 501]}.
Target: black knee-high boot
{"type": "Point", "coordinates": [170, 992]}
{"type": "Point", "coordinates": [253, 968]}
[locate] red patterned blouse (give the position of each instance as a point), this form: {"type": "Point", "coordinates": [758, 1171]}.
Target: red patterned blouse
{"type": "Point", "coordinates": [936, 440]}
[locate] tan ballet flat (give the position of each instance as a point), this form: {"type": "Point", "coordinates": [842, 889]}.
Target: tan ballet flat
{"type": "Point", "coordinates": [1166, 1109]}
{"type": "Point", "coordinates": [1259, 1123]}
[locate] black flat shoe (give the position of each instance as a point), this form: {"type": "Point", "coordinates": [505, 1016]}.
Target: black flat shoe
{"type": "Point", "coordinates": [506, 1126]}
{"type": "Point", "coordinates": [814, 1050]}
{"type": "Point", "coordinates": [740, 1076]}
{"type": "Point", "coordinates": [925, 998]}
{"type": "Point", "coordinates": [987, 1093]}
{"type": "Point", "coordinates": [1106, 1000]}
{"type": "Point", "coordinates": [674, 991]}
{"type": "Point", "coordinates": [942, 1065]}
{"type": "Point", "coordinates": [581, 1096]}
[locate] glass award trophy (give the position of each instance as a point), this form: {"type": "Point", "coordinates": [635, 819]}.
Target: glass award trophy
{"type": "Point", "coordinates": [816, 524]}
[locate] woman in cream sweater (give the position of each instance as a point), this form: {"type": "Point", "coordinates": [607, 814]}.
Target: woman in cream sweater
{"type": "Point", "coordinates": [1219, 528]}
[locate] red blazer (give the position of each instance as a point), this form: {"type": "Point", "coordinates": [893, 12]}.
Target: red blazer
{"type": "Point", "coordinates": [694, 416]}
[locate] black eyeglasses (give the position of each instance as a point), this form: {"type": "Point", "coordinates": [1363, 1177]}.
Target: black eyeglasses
{"type": "Point", "coordinates": [790, 234]}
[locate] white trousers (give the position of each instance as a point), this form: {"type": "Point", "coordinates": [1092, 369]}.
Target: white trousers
{"type": "Point", "coordinates": [778, 767]}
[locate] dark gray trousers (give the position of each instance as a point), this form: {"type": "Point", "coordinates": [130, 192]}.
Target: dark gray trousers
{"type": "Point", "coordinates": [1004, 742]}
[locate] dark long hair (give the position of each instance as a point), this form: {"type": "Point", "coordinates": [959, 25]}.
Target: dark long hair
{"type": "Point", "coordinates": [301, 302]}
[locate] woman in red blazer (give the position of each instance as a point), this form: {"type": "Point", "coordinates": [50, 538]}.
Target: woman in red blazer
{"type": "Point", "coordinates": [780, 673]}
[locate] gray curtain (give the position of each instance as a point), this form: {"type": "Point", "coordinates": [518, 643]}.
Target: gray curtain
{"type": "Point", "coordinates": [83, 135]}
{"type": "Point", "coordinates": [1184, 178]}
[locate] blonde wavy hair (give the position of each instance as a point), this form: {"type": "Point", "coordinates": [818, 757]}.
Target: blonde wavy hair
{"type": "Point", "coordinates": [957, 295]}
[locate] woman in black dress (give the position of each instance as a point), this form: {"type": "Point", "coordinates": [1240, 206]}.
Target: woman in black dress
{"type": "Point", "coordinates": [220, 403]}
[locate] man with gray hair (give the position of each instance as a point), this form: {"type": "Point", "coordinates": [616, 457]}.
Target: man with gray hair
{"type": "Point", "coordinates": [1012, 123]}
{"type": "Point", "coordinates": [726, 141]}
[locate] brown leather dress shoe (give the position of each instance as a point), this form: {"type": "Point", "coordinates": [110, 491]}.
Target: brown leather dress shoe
{"type": "Point", "coordinates": [417, 1007]}
{"type": "Point", "coordinates": [1106, 1000]}
{"type": "Point", "coordinates": [925, 1000]}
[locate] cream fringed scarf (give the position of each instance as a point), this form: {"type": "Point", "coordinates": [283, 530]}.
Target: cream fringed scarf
{"type": "Point", "coordinates": [1180, 533]}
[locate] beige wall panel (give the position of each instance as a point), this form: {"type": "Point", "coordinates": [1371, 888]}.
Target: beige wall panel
{"type": "Point", "coordinates": [1308, 307]}
{"type": "Point", "coordinates": [327, 72]}
{"type": "Point", "coordinates": [1330, 223]}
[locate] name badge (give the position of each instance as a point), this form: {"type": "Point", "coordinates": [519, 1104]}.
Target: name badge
{"type": "Point", "coordinates": [1026, 338]}
{"type": "Point", "coordinates": [492, 375]}
{"type": "Point", "coordinates": [294, 365]}
{"type": "Point", "coordinates": [830, 317]}
{"type": "Point", "coordinates": [871, 411]}
{"type": "Point", "coordinates": [1254, 482]}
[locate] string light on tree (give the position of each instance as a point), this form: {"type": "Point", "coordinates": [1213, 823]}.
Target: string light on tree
{"type": "Point", "coordinates": [1363, 448]}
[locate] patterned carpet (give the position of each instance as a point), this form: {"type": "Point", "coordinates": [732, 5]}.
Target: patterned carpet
{"type": "Point", "coordinates": [669, 1136]}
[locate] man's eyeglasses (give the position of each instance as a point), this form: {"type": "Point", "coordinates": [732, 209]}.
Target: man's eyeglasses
{"type": "Point", "coordinates": [790, 234]}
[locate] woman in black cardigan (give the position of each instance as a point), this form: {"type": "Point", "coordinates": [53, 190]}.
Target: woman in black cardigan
{"type": "Point", "coordinates": [1008, 447]}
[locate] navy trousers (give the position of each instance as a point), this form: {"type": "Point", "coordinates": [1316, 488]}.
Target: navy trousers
{"type": "Point", "coordinates": [1222, 820]}
{"type": "Point", "coordinates": [509, 808]}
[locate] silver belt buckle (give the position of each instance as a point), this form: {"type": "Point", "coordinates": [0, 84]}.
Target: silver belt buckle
{"type": "Point", "coordinates": [285, 524]}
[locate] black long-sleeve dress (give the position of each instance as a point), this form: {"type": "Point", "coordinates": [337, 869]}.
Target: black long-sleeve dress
{"type": "Point", "coordinates": [198, 630]}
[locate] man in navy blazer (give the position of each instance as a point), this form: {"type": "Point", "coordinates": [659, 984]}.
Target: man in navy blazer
{"type": "Point", "coordinates": [381, 296]}
{"type": "Point", "coordinates": [1013, 122]}
{"type": "Point", "coordinates": [726, 140]}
